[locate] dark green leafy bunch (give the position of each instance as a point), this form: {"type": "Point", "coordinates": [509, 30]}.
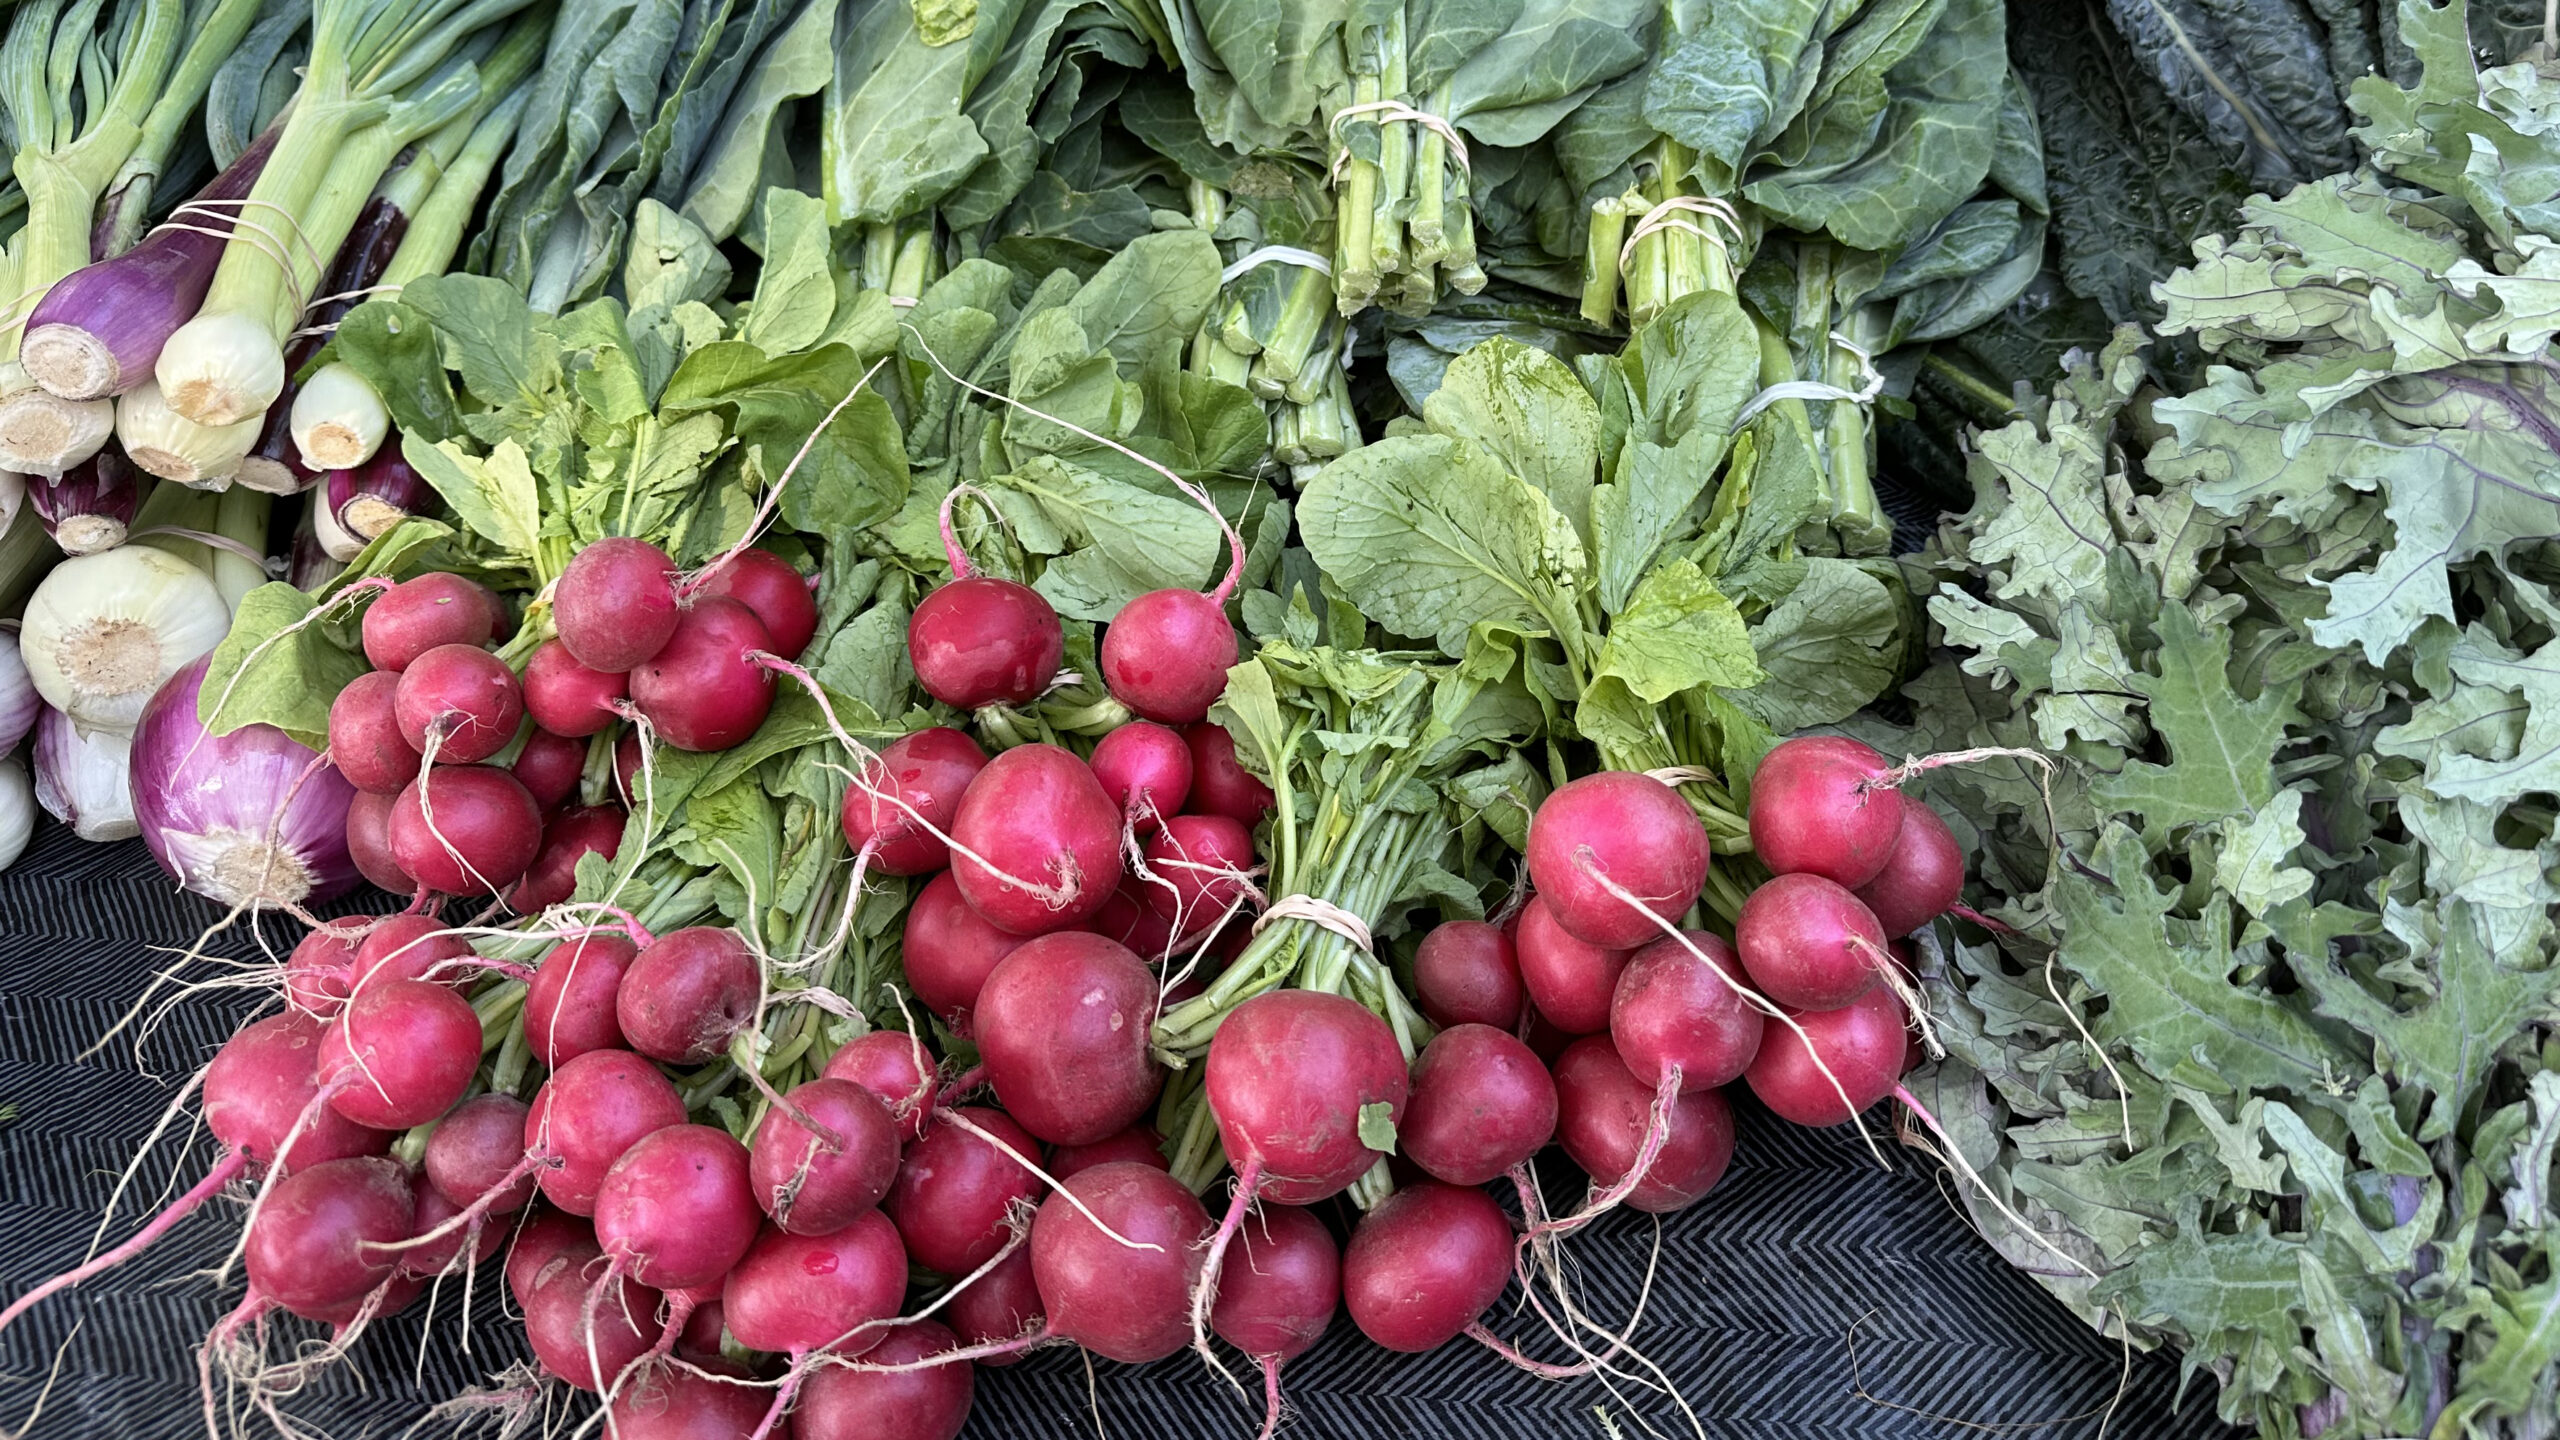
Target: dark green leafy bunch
{"type": "Point", "coordinates": [2272, 1058]}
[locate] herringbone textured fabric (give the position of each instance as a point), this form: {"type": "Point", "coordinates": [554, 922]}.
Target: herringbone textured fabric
{"type": "Point", "coordinates": [1757, 1288]}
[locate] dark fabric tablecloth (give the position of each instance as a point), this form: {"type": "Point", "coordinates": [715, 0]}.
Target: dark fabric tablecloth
{"type": "Point", "coordinates": [1758, 1289]}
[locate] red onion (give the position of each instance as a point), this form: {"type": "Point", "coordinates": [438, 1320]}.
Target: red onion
{"type": "Point", "coordinates": [246, 818]}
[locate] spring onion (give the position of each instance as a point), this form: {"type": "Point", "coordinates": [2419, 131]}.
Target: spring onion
{"type": "Point", "coordinates": [338, 422]}
{"type": "Point", "coordinates": [90, 507]}
{"type": "Point", "coordinates": [104, 631]}
{"type": "Point", "coordinates": [173, 447]}
{"type": "Point", "coordinates": [254, 817]}
{"type": "Point", "coordinates": [81, 778]}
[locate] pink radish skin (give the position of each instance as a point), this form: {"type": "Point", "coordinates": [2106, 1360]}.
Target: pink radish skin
{"type": "Point", "coordinates": [1275, 1300]}
{"type": "Point", "coordinates": [1202, 866]}
{"type": "Point", "coordinates": [1426, 1264]}
{"type": "Point", "coordinates": [949, 951]}
{"type": "Point", "coordinates": [462, 693]}
{"type": "Point", "coordinates": [408, 947]}
{"type": "Point", "coordinates": [1288, 1074]}
{"type": "Point", "coordinates": [800, 1294]}
{"type": "Point", "coordinates": [1166, 655]}
{"type": "Point", "coordinates": [896, 1069]}
{"type": "Point", "coordinates": [666, 1403]}
{"type": "Point", "coordinates": [677, 1210]}
{"type": "Point", "coordinates": [1629, 830]}
{"type": "Point", "coordinates": [929, 770]}
{"type": "Point", "coordinates": [700, 690]}
{"type": "Point", "coordinates": [688, 994]}
{"type": "Point", "coordinates": [779, 595]}
{"type": "Point", "coordinates": [1003, 1304]}
{"type": "Point", "coordinates": [1135, 1143]}
{"type": "Point", "coordinates": [615, 604]}
{"type": "Point", "coordinates": [1481, 1104]}
{"type": "Point", "coordinates": [549, 767]}
{"type": "Point", "coordinates": [415, 616]}
{"type": "Point", "coordinates": [1819, 806]}
{"type": "Point", "coordinates": [429, 1210]}
{"type": "Point", "coordinates": [475, 1151]}
{"type": "Point", "coordinates": [1220, 785]}
{"type": "Point", "coordinates": [321, 968]}
{"type": "Point", "coordinates": [1120, 1303]}
{"type": "Point", "coordinates": [1602, 1112]}
{"type": "Point", "coordinates": [1570, 980]}
{"type": "Point", "coordinates": [570, 836]}
{"type": "Point", "coordinates": [569, 1010]}
{"type": "Point", "coordinates": [262, 1083]}
{"type": "Point", "coordinates": [953, 1191]}
{"type": "Point", "coordinates": [1923, 878]}
{"type": "Point", "coordinates": [592, 1110]}
{"type": "Point", "coordinates": [931, 1403]}
{"type": "Point", "coordinates": [983, 641]}
{"type": "Point", "coordinates": [812, 1184]}
{"type": "Point", "coordinates": [1672, 1009]}
{"type": "Point", "coordinates": [365, 742]}
{"type": "Point", "coordinates": [548, 1236]}
{"type": "Point", "coordinates": [321, 1237]}
{"type": "Point", "coordinates": [1062, 1027]}
{"type": "Point", "coordinates": [484, 835]}
{"type": "Point", "coordinates": [1040, 818]}
{"type": "Point", "coordinates": [1808, 943]}
{"type": "Point", "coordinates": [369, 843]}
{"type": "Point", "coordinates": [1127, 918]}
{"type": "Point", "coordinates": [1862, 1043]}
{"type": "Point", "coordinates": [556, 1322]}
{"type": "Point", "coordinates": [1466, 972]}
{"type": "Point", "coordinates": [565, 697]}
{"type": "Point", "coordinates": [401, 1054]}
{"type": "Point", "coordinates": [626, 771]}
{"type": "Point", "coordinates": [1145, 768]}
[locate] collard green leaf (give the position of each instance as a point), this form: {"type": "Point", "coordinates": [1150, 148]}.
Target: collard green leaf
{"type": "Point", "coordinates": [795, 291]}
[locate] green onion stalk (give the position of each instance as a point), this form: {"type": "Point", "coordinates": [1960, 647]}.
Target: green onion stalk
{"type": "Point", "coordinates": [215, 29]}
{"type": "Point", "coordinates": [193, 524]}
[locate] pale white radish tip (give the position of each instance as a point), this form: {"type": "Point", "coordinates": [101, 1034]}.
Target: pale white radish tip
{"type": "Point", "coordinates": [221, 369]}
{"type": "Point", "coordinates": [167, 444]}
{"type": "Point", "coordinates": [338, 421]}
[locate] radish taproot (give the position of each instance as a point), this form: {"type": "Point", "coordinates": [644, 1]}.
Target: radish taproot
{"type": "Point", "coordinates": [1002, 1304]}
{"type": "Point", "coordinates": [814, 1181]}
{"type": "Point", "coordinates": [956, 1190]}
{"type": "Point", "coordinates": [1146, 770]}
{"type": "Point", "coordinates": [1425, 1265]}
{"type": "Point", "coordinates": [365, 742]}
{"type": "Point", "coordinates": [895, 1068]}
{"type": "Point", "coordinates": [569, 836]}
{"type": "Point", "coordinates": [419, 614]}
{"type": "Point", "coordinates": [324, 1235]}
{"type": "Point", "coordinates": [1861, 1045]}
{"type": "Point", "coordinates": [1167, 653]}
{"type": "Point", "coordinates": [677, 1210]}
{"type": "Point", "coordinates": [476, 1152]}
{"type": "Point", "coordinates": [569, 1008]}
{"type": "Point", "coordinates": [1201, 867]}
{"type": "Point", "coordinates": [1275, 1303]}
{"type": "Point", "coordinates": [1605, 1119]}
{"type": "Point", "coordinates": [1923, 878]}
{"type": "Point", "coordinates": [591, 1110]}
{"type": "Point", "coordinates": [687, 994]}
{"type": "Point", "coordinates": [465, 830]}
{"type": "Point", "coordinates": [1135, 1143]}
{"type": "Point", "coordinates": [1062, 1026]}
{"type": "Point", "coordinates": [400, 1054]}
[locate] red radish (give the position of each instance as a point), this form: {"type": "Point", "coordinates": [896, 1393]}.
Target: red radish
{"type": "Point", "coordinates": [586, 1325]}
{"type": "Point", "coordinates": [1568, 979]}
{"type": "Point", "coordinates": [670, 1403]}
{"type": "Point", "coordinates": [369, 843]}
{"type": "Point", "coordinates": [1809, 943]}
{"type": "Point", "coordinates": [400, 1054]}
{"type": "Point", "coordinates": [983, 641]}
{"type": "Point", "coordinates": [1825, 805]}
{"type": "Point", "coordinates": [548, 1236]}
{"type": "Point", "coordinates": [408, 947]}
{"type": "Point", "coordinates": [949, 951]}
{"type": "Point", "coordinates": [955, 1189]}
{"type": "Point", "coordinates": [588, 1113]}
{"type": "Point", "coordinates": [1040, 819]}
{"type": "Point", "coordinates": [1602, 1116]}
{"type": "Point", "coordinates": [462, 694]}
{"type": "Point", "coordinates": [476, 1151]}
{"type": "Point", "coordinates": [1145, 769]}
{"type": "Point", "coordinates": [801, 1294]}
{"type": "Point", "coordinates": [700, 690]}
{"type": "Point", "coordinates": [565, 697]}
{"type": "Point", "coordinates": [928, 770]}
{"type": "Point", "coordinates": [1922, 880]}
{"type": "Point", "coordinates": [415, 616]}
{"type": "Point", "coordinates": [896, 1069]}
{"type": "Point", "coordinates": [1481, 1104]}
{"type": "Point", "coordinates": [688, 994]}
{"type": "Point", "coordinates": [364, 736]}
{"type": "Point", "coordinates": [1275, 1305]}
{"type": "Point", "coordinates": [549, 767]}
{"type": "Point", "coordinates": [1202, 866]}
{"type": "Point", "coordinates": [930, 1402]}
{"type": "Point", "coordinates": [1166, 654]}
{"type": "Point", "coordinates": [1467, 972]}
{"type": "Point", "coordinates": [1622, 830]}
{"type": "Point", "coordinates": [429, 1212]}
{"type": "Point", "coordinates": [1425, 1265]}
{"type": "Point", "coordinates": [1062, 1029]}
{"type": "Point", "coordinates": [1125, 917]}
{"type": "Point", "coordinates": [700, 1339]}
{"type": "Point", "coordinates": [321, 968]}
{"type": "Point", "coordinates": [262, 1084]}
{"type": "Point", "coordinates": [1220, 785]}
{"type": "Point", "coordinates": [570, 836]}
{"type": "Point", "coordinates": [1861, 1044]}
{"type": "Point", "coordinates": [1003, 1304]}
{"type": "Point", "coordinates": [569, 1009]}
{"type": "Point", "coordinates": [465, 830]}
{"type": "Point", "coordinates": [1117, 1300]}
{"type": "Point", "coordinates": [1289, 1073]}
{"type": "Point", "coordinates": [1135, 1143]}
{"type": "Point", "coordinates": [627, 781]}
{"type": "Point", "coordinates": [766, 584]}
{"type": "Point", "coordinates": [324, 1233]}
{"type": "Point", "coordinates": [816, 1182]}
{"type": "Point", "coordinates": [677, 1210]}
{"type": "Point", "coordinates": [1674, 1009]}
{"type": "Point", "coordinates": [615, 604]}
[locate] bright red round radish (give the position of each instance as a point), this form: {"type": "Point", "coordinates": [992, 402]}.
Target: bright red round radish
{"type": "Point", "coordinates": [1426, 1264]}
{"type": "Point", "coordinates": [1121, 1303]}
{"type": "Point", "coordinates": [925, 772]}
{"type": "Point", "coordinates": [1861, 1044]}
{"type": "Point", "coordinates": [896, 1068]}
{"type": "Point", "coordinates": [565, 697]}
{"type": "Point", "coordinates": [409, 947]}
{"type": "Point", "coordinates": [1672, 1008]}
{"type": "Point", "coordinates": [1003, 1304]}
{"type": "Point", "coordinates": [1062, 1027]}
{"type": "Point", "coordinates": [417, 615]}
{"type": "Point", "coordinates": [799, 1294]}
{"type": "Point", "coordinates": [615, 604]}
{"type": "Point", "coordinates": [1145, 768]}
{"type": "Point", "coordinates": [1467, 972]}
{"type": "Point", "coordinates": [400, 1054]}
{"type": "Point", "coordinates": [1623, 829]}
{"type": "Point", "coordinates": [1167, 653]}
{"type": "Point", "coordinates": [1569, 979]}
{"type": "Point", "coordinates": [465, 830]}
{"type": "Point", "coordinates": [569, 1008]}
{"type": "Point", "coordinates": [1481, 1104]}
{"type": "Point", "coordinates": [261, 1086]}
{"type": "Point", "coordinates": [949, 951]}
{"type": "Point", "coordinates": [322, 1235]}
{"type": "Point", "coordinates": [687, 994]}
{"type": "Point", "coordinates": [1220, 785]}
{"type": "Point", "coordinates": [369, 843]}
{"type": "Point", "coordinates": [669, 1403]}
{"type": "Point", "coordinates": [1202, 866]}
{"type": "Point", "coordinates": [1135, 1143]}
{"type": "Point", "coordinates": [954, 1189]}
{"type": "Point", "coordinates": [983, 641]}
{"type": "Point", "coordinates": [766, 584]}
{"type": "Point", "coordinates": [1125, 917]}
{"type": "Point", "coordinates": [1809, 943]}
{"type": "Point", "coordinates": [443, 1255]}
{"type": "Point", "coordinates": [464, 696]}
{"type": "Point", "coordinates": [677, 1210]}
{"type": "Point", "coordinates": [812, 1183]}
{"type": "Point", "coordinates": [1603, 1112]}
{"type": "Point", "coordinates": [1040, 819]}
{"type": "Point", "coordinates": [1820, 805]}
{"type": "Point", "coordinates": [569, 836]}
{"type": "Point", "coordinates": [548, 1237]}
{"type": "Point", "coordinates": [365, 742]}
{"type": "Point", "coordinates": [927, 1403]}
{"type": "Point", "coordinates": [591, 1110]}
{"type": "Point", "coordinates": [319, 972]}
{"type": "Point", "coordinates": [1289, 1072]}
{"type": "Point", "coordinates": [475, 1151]}
{"type": "Point", "coordinates": [1923, 878]}
{"type": "Point", "coordinates": [1275, 1299]}
{"type": "Point", "coordinates": [549, 767]}
{"type": "Point", "coordinates": [700, 690]}
{"type": "Point", "coordinates": [585, 1338]}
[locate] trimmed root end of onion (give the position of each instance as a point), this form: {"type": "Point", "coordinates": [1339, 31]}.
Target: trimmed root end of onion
{"type": "Point", "coordinates": [367, 517]}
{"type": "Point", "coordinates": [110, 658]}
{"type": "Point", "coordinates": [266, 476]}
{"type": "Point", "coordinates": [167, 464]}
{"type": "Point", "coordinates": [42, 433]}
{"type": "Point", "coordinates": [232, 867]}
{"type": "Point", "coordinates": [208, 401]}
{"type": "Point", "coordinates": [70, 362]}
{"type": "Point", "coordinates": [88, 534]}
{"type": "Point", "coordinates": [333, 446]}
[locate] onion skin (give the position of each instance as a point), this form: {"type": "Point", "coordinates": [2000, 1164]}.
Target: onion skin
{"type": "Point", "coordinates": [208, 803]}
